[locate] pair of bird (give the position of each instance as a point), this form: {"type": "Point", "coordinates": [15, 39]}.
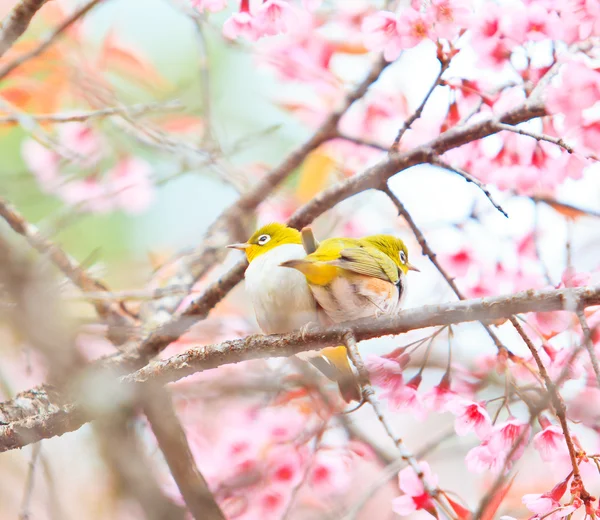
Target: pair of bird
{"type": "Point", "coordinates": [343, 279]}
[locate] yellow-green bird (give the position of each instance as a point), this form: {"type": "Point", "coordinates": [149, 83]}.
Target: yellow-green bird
{"type": "Point", "coordinates": [353, 278]}
{"type": "Point", "coordinates": [284, 302]}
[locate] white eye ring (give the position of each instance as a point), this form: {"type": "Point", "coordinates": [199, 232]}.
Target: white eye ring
{"type": "Point", "coordinates": [263, 239]}
{"type": "Point", "coordinates": [403, 257]}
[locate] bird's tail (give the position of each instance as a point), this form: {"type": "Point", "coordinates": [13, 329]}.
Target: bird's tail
{"type": "Point", "coordinates": [335, 365]}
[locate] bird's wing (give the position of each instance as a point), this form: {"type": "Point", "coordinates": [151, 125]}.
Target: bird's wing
{"type": "Point", "coordinates": [368, 261]}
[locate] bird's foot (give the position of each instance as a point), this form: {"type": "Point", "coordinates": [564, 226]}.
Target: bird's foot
{"type": "Point", "coordinates": [306, 328]}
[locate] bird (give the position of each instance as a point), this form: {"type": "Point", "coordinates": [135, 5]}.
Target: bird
{"type": "Point", "coordinates": [353, 278]}
{"type": "Point", "coordinates": [283, 301]}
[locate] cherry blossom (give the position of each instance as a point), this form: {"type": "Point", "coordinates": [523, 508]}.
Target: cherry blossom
{"type": "Point", "coordinates": [547, 505]}
{"type": "Point", "coordinates": [578, 90]}
{"type": "Point", "coordinates": [451, 16]}
{"type": "Point", "coordinates": [414, 27]}
{"type": "Point", "coordinates": [549, 442]}
{"type": "Point", "coordinates": [470, 416]}
{"type": "Point", "coordinates": [385, 373]}
{"type": "Point", "coordinates": [407, 397]}
{"type": "Point", "coordinates": [440, 398]}
{"type": "Point", "coordinates": [415, 497]}
{"type": "Point", "coordinates": [329, 473]}
{"type": "Point", "coordinates": [274, 17]}
{"type": "Point", "coordinates": [381, 33]}
{"type": "Point", "coordinates": [242, 24]}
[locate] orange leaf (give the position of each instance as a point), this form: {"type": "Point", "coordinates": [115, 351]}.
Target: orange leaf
{"type": "Point", "coordinates": [462, 513]}
{"type": "Point", "coordinates": [564, 209]}
{"type": "Point", "coordinates": [350, 48]}
{"type": "Point", "coordinates": [114, 55]}
{"type": "Point", "coordinates": [183, 124]}
{"type": "Point", "coordinates": [314, 175]}
{"type": "Point", "coordinates": [489, 513]}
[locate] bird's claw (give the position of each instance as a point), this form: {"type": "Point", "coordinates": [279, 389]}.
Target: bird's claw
{"type": "Point", "coordinates": [306, 328]}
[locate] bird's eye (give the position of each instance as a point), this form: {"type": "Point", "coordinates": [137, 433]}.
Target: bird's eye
{"type": "Point", "coordinates": [263, 239]}
{"type": "Point", "coordinates": [403, 257]}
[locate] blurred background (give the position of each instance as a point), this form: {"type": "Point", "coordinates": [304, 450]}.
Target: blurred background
{"type": "Point", "coordinates": [212, 117]}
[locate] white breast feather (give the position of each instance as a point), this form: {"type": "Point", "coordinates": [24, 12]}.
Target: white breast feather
{"type": "Point", "coordinates": [281, 297]}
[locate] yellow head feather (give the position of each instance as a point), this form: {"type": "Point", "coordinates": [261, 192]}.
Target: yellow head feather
{"type": "Point", "coordinates": [268, 237]}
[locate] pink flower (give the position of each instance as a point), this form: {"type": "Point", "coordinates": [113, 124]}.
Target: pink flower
{"type": "Point", "coordinates": [329, 473]}
{"type": "Point", "coordinates": [459, 263]}
{"type": "Point", "coordinates": [82, 140]}
{"type": "Point", "coordinates": [280, 425]}
{"type": "Point", "coordinates": [407, 397]}
{"type": "Point", "coordinates": [549, 324]}
{"type": "Point", "coordinates": [284, 466]}
{"type": "Point", "coordinates": [42, 162]}
{"type": "Point", "coordinates": [547, 505]}
{"type": "Point", "coordinates": [130, 184]}
{"type": "Point", "coordinates": [579, 89]}
{"type": "Point", "coordinates": [440, 397]}
{"type": "Point", "coordinates": [385, 373]}
{"type": "Point", "coordinates": [414, 27]}
{"type": "Point", "coordinates": [274, 17]}
{"type": "Point", "coordinates": [381, 34]}
{"type": "Point", "coordinates": [483, 457]}
{"type": "Point", "coordinates": [451, 16]}
{"type": "Point", "coordinates": [470, 416]}
{"type": "Point", "coordinates": [271, 503]}
{"type": "Point", "coordinates": [210, 5]}
{"type": "Point", "coordinates": [415, 496]}
{"type": "Point", "coordinates": [571, 278]}
{"type": "Point", "coordinates": [242, 24]}
{"type": "Point", "coordinates": [506, 435]}
{"type": "Point", "coordinates": [549, 443]}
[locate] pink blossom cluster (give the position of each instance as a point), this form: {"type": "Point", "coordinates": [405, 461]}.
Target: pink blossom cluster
{"type": "Point", "coordinates": [127, 185]}
{"type": "Point", "coordinates": [268, 18]}
{"type": "Point", "coordinates": [259, 458]}
{"type": "Point", "coordinates": [391, 33]}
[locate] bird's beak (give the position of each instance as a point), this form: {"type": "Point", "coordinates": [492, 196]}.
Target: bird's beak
{"type": "Point", "coordinates": [412, 268]}
{"type": "Point", "coordinates": [241, 246]}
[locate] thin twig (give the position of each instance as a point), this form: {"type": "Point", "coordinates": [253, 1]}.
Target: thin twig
{"type": "Point", "coordinates": [537, 136]}
{"type": "Point", "coordinates": [135, 294]}
{"type": "Point", "coordinates": [363, 142]}
{"type": "Point", "coordinates": [391, 470]}
{"type": "Point", "coordinates": [29, 483]}
{"type": "Point", "coordinates": [444, 64]}
{"type": "Point", "coordinates": [433, 258]}
{"type": "Point", "coordinates": [536, 244]}
{"type": "Point", "coordinates": [587, 342]}
{"type": "Point", "coordinates": [469, 178]}
{"type": "Point", "coordinates": [556, 400]}
{"type": "Point", "coordinates": [369, 396]}
{"type": "Point", "coordinates": [81, 116]}
{"type": "Point", "coordinates": [48, 40]}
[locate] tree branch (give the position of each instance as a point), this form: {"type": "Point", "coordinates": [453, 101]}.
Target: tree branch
{"type": "Point", "coordinates": [69, 267]}
{"type": "Point", "coordinates": [16, 22]}
{"type": "Point", "coordinates": [48, 40]}
{"type": "Point", "coordinates": [69, 417]}
{"type": "Point", "coordinates": [172, 441]}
